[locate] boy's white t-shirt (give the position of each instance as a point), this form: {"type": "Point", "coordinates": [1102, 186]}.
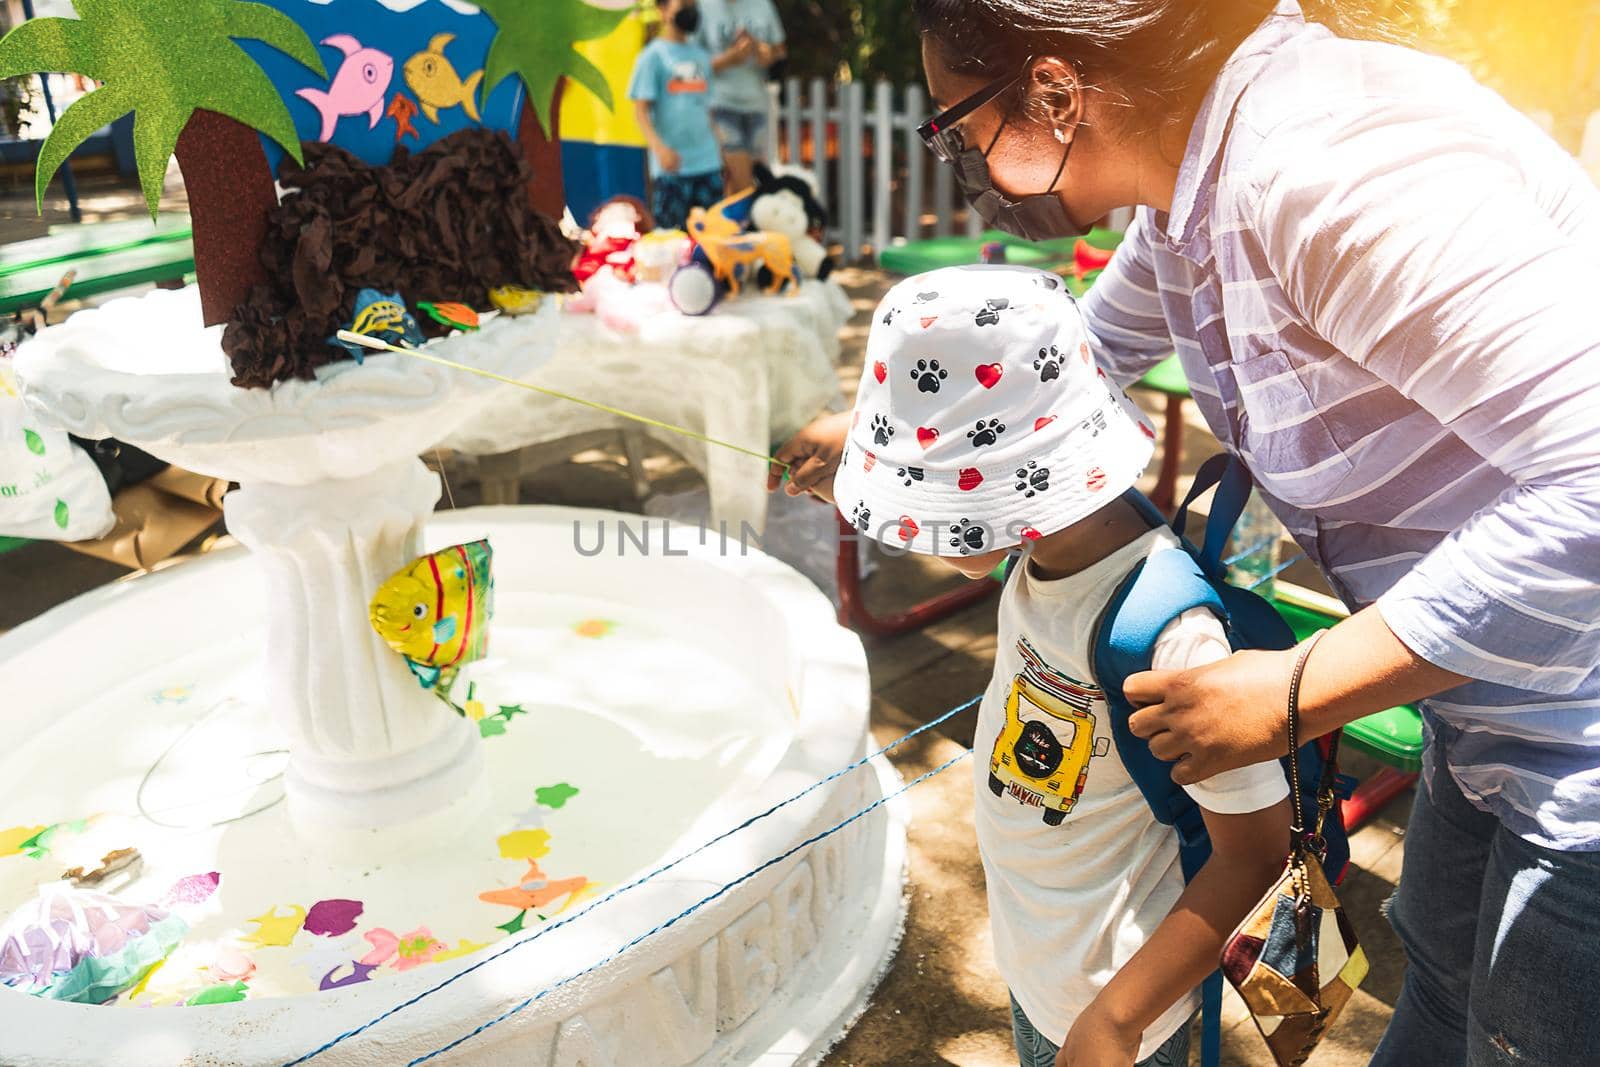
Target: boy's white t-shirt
{"type": "Point", "coordinates": [1074, 893]}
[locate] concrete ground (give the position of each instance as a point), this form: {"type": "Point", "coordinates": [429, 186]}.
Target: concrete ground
{"type": "Point", "coordinates": [942, 1001]}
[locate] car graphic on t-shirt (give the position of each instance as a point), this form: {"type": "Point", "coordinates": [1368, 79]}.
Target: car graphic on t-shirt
{"type": "Point", "coordinates": [1041, 757]}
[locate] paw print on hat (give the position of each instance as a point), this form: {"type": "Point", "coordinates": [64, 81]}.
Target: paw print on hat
{"type": "Point", "coordinates": [928, 375]}
{"type": "Point", "coordinates": [986, 432]}
{"type": "Point", "coordinates": [861, 517]}
{"type": "Point", "coordinates": [968, 537]}
{"type": "Point", "coordinates": [1032, 479]}
{"type": "Point", "coordinates": [1048, 364]}
{"type": "Point", "coordinates": [910, 474]}
{"type": "Point", "coordinates": [882, 431]}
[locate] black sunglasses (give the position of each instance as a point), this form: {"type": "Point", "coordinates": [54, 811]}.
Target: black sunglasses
{"type": "Point", "coordinates": [941, 134]}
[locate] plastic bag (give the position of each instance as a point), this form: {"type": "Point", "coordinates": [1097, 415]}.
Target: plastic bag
{"type": "Point", "coordinates": [49, 487]}
{"type": "Point", "coordinates": [79, 945]}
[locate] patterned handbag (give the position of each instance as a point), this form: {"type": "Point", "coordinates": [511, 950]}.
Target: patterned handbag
{"type": "Point", "coordinates": [1295, 959]}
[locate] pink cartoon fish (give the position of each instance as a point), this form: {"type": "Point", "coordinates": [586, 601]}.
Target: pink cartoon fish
{"type": "Point", "coordinates": [358, 87]}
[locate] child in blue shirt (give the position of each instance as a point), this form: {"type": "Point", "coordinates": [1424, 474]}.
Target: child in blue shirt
{"type": "Point", "coordinates": [671, 90]}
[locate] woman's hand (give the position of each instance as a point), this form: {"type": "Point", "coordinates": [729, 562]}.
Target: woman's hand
{"type": "Point", "coordinates": [1095, 1040]}
{"type": "Point", "coordinates": [813, 457]}
{"type": "Point", "coordinates": [1215, 718]}
{"type": "Point", "coordinates": [1234, 712]}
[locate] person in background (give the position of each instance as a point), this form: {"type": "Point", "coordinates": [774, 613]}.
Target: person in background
{"type": "Point", "coordinates": [745, 38]}
{"type": "Point", "coordinates": [672, 98]}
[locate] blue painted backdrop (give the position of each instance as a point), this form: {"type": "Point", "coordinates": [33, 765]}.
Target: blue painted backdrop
{"type": "Point", "coordinates": [399, 36]}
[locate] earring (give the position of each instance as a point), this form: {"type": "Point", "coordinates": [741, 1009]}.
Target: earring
{"type": "Point", "coordinates": [1061, 137]}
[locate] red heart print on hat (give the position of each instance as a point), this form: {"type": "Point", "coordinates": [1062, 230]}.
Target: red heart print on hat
{"type": "Point", "coordinates": [929, 320]}
{"type": "Point", "coordinates": [1030, 534]}
{"type": "Point", "coordinates": [988, 374]}
{"type": "Point", "coordinates": [1145, 429]}
{"type": "Point", "coordinates": [880, 371]}
{"type": "Point", "coordinates": [1041, 423]}
{"type": "Point", "coordinates": [1083, 350]}
{"type": "Point", "coordinates": [870, 462]}
{"type": "Point", "coordinates": [1095, 480]}
{"type": "Point", "coordinates": [908, 528]}
{"type": "Point", "coordinates": [969, 479]}
{"type": "Point", "coordinates": [926, 436]}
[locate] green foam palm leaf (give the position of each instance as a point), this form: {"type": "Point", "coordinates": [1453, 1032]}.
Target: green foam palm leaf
{"type": "Point", "coordinates": [535, 42]}
{"type": "Point", "coordinates": [162, 60]}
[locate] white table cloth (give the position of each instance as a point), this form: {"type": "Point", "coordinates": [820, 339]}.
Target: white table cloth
{"type": "Point", "coordinates": [752, 372]}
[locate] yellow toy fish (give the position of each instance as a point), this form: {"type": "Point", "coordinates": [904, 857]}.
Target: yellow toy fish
{"type": "Point", "coordinates": [437, 85]}
{"type": "Point", "coordinates": [436, 611]}
{"type": "Point", "coordinates": [515, 300]}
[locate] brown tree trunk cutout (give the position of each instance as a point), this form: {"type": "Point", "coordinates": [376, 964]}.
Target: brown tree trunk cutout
{"type": "Point", "coordinates": [546, 192]}
{"type": "Point", "coordinates": [231, 191]}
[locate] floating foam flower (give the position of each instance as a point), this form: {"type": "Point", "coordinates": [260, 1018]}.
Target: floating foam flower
{"type": "Point", "coordinates": [524, 844]}
{"type": "Point", "coordinates": [407, 950]}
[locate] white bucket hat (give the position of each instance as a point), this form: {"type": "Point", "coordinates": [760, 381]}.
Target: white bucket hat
{"type": "Point", "coordinates": [982, 420]}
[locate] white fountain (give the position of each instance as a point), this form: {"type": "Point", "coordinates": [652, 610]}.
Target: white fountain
{"type": "Point", "coordinates": [674, 689]}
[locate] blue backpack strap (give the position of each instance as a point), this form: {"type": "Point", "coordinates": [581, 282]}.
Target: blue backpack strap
{"type": "Point", "coordinates": [1211, 1020]}
{"type": "Point", "coordinates": [1232, 479]}
{"type": "Point", "coordinates": [1156, 592]}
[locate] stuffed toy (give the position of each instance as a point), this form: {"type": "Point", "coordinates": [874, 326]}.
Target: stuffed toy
{"type": "Point", "coordinates": [787, 203]}
{"type": "Point", "coordinates": [613, 229]}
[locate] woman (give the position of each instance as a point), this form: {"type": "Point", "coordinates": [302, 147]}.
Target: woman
{"type": "Point", "coordinates": [1377, 277]}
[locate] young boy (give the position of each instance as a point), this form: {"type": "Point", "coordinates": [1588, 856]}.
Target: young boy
{"type": "Point", "coordinates": [671, 92]}
{"type": "Point", "coordinates": [981, 425]}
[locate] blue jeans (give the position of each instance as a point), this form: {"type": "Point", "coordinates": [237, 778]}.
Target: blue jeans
{"type": "Point", "coordinates": [741, 131]}
{"type": "Point", "coordinates": [1036, 1050]}
{"type": "Point", "coordinates": [1502, 943]}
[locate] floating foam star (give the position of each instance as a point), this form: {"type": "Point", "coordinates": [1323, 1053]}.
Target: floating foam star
{"type": "Point", "coordinates": [274, 929]}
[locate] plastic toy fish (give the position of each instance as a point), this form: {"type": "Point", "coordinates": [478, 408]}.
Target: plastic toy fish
{"type": "Point", "coordinates": [402, 110]}
{"type": "Point", "coordinates": [383, 317]}
{"type": "Point", "coordinates": [358, 86]}
{"type": "Point", "coordinates": [437, 85]}
{"type": "Point", "coordinates": [458, 315]}
{"type": "Point", "coordinates": [515, 300]}
{"type": "Point", "coordinates": [436, 613]}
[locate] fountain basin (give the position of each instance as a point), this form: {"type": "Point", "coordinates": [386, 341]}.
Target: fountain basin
{"type": "Point", "coordinates": [678, 694]}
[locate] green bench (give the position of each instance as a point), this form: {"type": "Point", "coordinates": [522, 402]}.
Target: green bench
{"type": "Point", "coordinates": [106, 255]}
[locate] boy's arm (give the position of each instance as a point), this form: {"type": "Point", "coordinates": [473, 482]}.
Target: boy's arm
{"type": "Point", "coordinates": [1247, 817]}
{"type": "Point", "coordinates": [668, 158]}
{"type": "Point", "coordinates": [1247, 855]}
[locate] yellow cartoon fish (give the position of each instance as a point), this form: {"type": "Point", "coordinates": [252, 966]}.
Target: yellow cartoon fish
{"type": "Point", "coordinates": [437, 85]}
{"type": "Point", "coordinates": [436, 612]}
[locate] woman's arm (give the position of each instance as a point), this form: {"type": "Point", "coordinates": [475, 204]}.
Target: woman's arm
{"type": "Point", "coordinates": [1123, 310]}
{"type": "Point", "coordinates": [1418, 247]}
{"type": "Point", "coordinates": [1232, 713]}
{"type": "Point", "coordinates": [1247, 855]}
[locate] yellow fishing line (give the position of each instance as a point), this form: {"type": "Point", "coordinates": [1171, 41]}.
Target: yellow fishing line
{"type": "Point", "coordinates": [384, 346]}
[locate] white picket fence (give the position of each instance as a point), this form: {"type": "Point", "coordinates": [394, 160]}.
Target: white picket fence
{"type": "Point", "coordinates": [890, 189]}
{"type": "Point", "coordinates": [901, 193]}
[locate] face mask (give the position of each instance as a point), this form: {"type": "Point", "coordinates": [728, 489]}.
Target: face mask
{"type": "Point", "coordinates": [687, 19]}
{"type": "Point", "coordinates": [1040, 217]}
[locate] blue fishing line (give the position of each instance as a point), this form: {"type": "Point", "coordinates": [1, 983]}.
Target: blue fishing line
{"type": "Point", "coordinates": [691, 909]}
{"type": "Point", "coordinates": [947, 716]}
{"type": "Point", "coordinates": [1274, 572]}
